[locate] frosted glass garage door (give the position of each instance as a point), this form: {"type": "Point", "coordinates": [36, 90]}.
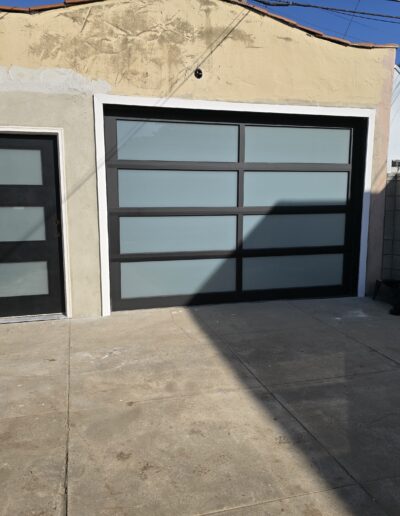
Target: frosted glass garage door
{"type": "Point", "coordinates": [218, 206]}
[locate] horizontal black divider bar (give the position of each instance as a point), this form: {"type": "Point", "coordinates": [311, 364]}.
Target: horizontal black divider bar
{"type": "Point", "coordinates": [26, 251]}
{"type": "Point", "coordinates": [239, 253]}
{"type": "Point", "coordinates": [221, 117]}
{"type": "Point", "coordinates": [35, 195]}
{"type": "Point", "coordinates": [256, 210]}
{"type": "Point", "coordinates": [195, 166]}
{"type": "Point", "coordinates": [28, 305]}
{"type": "Point", "coordinates": [226, 297]}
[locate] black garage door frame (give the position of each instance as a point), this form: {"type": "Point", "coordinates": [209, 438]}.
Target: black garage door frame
{"type": "Point", "coordinates": [353, 209]}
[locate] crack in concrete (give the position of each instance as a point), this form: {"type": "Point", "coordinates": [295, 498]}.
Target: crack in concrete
{"type": "Point", "coordinates": [265, 502]}
{"type": "Point", "coordinates": [67, 423]}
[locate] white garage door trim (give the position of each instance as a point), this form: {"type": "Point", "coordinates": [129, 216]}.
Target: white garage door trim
{"type": "Point", "coordinates": [101, 99]}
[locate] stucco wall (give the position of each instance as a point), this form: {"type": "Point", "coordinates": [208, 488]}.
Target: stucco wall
{"type": "Point", "coordinates": [74, 114]}
{"type": "Point", "coordinates": [51, 63]}
{"type": "Point", "coordinates": [394, 138]}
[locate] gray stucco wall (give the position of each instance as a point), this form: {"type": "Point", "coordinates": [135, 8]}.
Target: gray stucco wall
{"type": "Point", "coordinates": [74, 114]}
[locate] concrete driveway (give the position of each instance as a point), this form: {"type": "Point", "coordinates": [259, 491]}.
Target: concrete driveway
{"type": "Point", "coordinates": [250, 409]}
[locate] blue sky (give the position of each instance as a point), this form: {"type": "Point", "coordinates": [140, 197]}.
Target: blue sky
{"type": "Point", "coordinates": [336, 24]}
{"type": "Point", "coordinates": [331, 23]}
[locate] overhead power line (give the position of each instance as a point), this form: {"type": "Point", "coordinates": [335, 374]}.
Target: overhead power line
{"type": "Point", "coordinates": [351, 19]}
{"type": "Point", "coordinates": [345, 16]}
{"type": "Point", "coordinates": [380, 20]}
{"type": "Point", "coordinates": [374, 15]}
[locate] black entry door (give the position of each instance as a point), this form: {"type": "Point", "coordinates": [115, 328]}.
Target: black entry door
{"type": "Point", "coordinates": [31, 275]}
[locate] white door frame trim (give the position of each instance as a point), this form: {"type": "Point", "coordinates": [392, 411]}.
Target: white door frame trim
{"type": "Point", "coordinates": [59, 133]}
{"type": "Point", "coordinates": [106, 99]}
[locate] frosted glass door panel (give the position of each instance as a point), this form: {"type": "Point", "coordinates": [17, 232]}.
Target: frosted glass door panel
{"type": "Point", "coordinates": [275, 272]}
{"type": "Point", "coordinates": [170, 141]}
{"type": "Point", "coordinates": [171, 188]}
{"type": "Point", "coordinates": [180, 277]}
{"type": "Point", "coordinates": [271, 231]}
{"type": "Point", "coordinates": [297, 145]}
{"type": "Point", "coordinates": [20, 167]}
{"type": "Point", "coordinates": [176, 234]}
{"type": "Point", "coordinates": [295, 188]}
{"type": "Point", "coordinates": [22, 224]}
{"type": "Point", "coordinates": [23, 279]}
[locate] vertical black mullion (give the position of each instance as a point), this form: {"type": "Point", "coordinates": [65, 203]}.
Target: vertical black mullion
{"type": "Point", "coordinates": [353, 236]}
{"type": "Point", "coordinates": [110, 136]}
{"type": "Point", "coordinates": [348, 225]}
{"type": "Point", "coordinates": [354, 207]}
{"type": "Point", "coordinates": [239, 241]}
{"type": "Point", "coordinates": [53, 225]}
{"type": "Point", "coordinates": [351, 163]}
{"type": "Point", "coordinates": [115, 284]}
{"type": "Point", "coordinates": [111, 154]}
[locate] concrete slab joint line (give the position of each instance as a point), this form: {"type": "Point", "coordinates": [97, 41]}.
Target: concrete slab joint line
{"type": "Point", "coordinates": [67, 422]}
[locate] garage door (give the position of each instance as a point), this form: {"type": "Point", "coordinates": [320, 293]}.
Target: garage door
{"type": "Point", "coordinates": [223, 207]}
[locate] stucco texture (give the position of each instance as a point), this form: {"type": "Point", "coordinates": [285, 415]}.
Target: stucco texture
{"type": "Point", "coordinates": [73, 113]}
{"type": "Point", "coordinates": [144, 48]}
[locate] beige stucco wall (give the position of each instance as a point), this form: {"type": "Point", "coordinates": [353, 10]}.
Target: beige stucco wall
{"type": "Point", "coordinates": [51, 64]}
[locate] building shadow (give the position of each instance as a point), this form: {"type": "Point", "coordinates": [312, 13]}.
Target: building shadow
{"type": "Point", "coordinates": [327, 366]}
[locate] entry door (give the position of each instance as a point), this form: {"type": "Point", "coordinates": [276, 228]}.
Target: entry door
{"type": "Point", "coordinates": [208, 207]}
{"type": "Point", "coordinates": [31, 277]}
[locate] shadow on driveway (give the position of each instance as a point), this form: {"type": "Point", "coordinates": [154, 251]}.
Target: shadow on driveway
{"type": "Point", "coordinates": [248, 409]}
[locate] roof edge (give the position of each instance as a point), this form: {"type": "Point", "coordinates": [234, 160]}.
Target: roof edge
{"type": "Point", "coordinates": [45, 7]}
{"type": "Point", "coordinates": [287, 21]}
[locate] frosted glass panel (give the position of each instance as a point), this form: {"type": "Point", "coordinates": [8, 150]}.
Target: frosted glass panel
{"type": "Point", "coordinates": [294, 188]}
{"type": "Point", "coordinates": [297, 145]}
{"type": "Point", "coordinates": [269, 231]}
{"type": "Point", "coordinates": [174, 234]}
{"type": "Point", "coordinates": [169, 141]}
{"type": "Point", "coordinates": [181, 277]}
{"type": "Point", "coordinates": [171, 188]}
{"type": "Point", "coordinates": [22, 224]}
{"type": "Point", "coordinates": [20, 167]}
{"type": "Point", "coordinates": [23, 279]}
{"type": "Point", "coordinates": [292, 271]}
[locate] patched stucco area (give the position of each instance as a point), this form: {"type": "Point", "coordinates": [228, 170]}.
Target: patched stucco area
{"type": "Point", "coordinates": [52, 62]}
{"type": "Point", "coordinates": [48, 80]}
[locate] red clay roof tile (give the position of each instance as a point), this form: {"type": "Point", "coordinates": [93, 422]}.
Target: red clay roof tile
{"type": "Point", "coordinates": [7, 9]}
{"type": "Point", "coordinates": [44, 7]}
